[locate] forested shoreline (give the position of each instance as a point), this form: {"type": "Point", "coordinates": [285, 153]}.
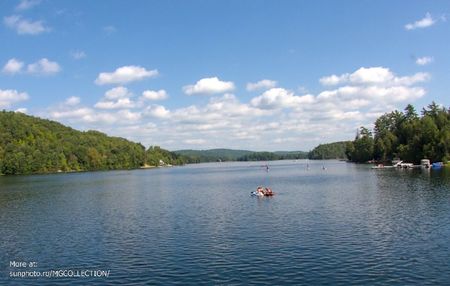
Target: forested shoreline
{"type": "Point", "coordinates": [224, 155]}
{"type": "Point", "coordinates": [30, 145]}
{"type": "Point", "coordinates": [272, 156]}
{"type": "Point", "coordinates": [335, 150]}
{"type": "Point", "coordinates": [406, 136]}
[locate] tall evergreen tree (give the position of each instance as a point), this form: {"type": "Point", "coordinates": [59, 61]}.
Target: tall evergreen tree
{"type": "Point", "coordinates": [407, 136]}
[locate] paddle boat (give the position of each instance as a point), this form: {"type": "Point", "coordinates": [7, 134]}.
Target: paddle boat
{"type": "Point", "coordinates": [262, 192]}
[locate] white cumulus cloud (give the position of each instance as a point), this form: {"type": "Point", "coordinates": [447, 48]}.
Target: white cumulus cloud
{"type": "Point", "coordinates": [334, 79]}
{"type": "Point", "coordinates": [413, 79]}
{"type": "Point", "coordinates": [229, 106]}
{"type": "Point", "coordinates": [125, 74]}
{"type": "Point", "coordinates": [280, 98]}
{"type": "Point", "coordinates": [9, 97]}
{"type": "Point", "coordinates": [262, 84]}
{"type": "Point", "coordinates": [348, 97]}
{"type": "Point", "coordinates": [13, 66]}
{"type": "Point", "coordinates": [43, 67]}
{"type": "Point", "coordinates": [118, 104]}
{"type": "Point", "coordinates": [70, 111]}
{"type": "Point", "coordinates": [372, 75]}
{"type": "Point", "coordinates": [117, 92]}
{"type": "Point", "coordinates": [157, 111]}
{"type": "Point", "coordinates": [425, 22]}
{"type": "Point", "coordinates": [128, 115]}
{"type": "Point", "coordinates": [116, 98]}
{"type": "Point", "coordinates": [211, 85]}
{"type": "Point", "coordinates": [375, 76]}
{"type": "Point", "coordinates": [72, 101]}
{"type": "Point", "coordinates": [24, 26]}
{"type": "Point", "coordinates": [154, 94]}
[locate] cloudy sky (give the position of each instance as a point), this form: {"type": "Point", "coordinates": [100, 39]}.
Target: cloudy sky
{"type": "Point", "coordinates": [259, 75]}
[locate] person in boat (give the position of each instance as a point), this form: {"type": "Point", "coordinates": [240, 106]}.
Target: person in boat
{"type": "Point", "coordinates": [260, 190]}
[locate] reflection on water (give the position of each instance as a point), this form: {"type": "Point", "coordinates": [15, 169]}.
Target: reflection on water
{"type": "Point", "coordinates": [198, 224]}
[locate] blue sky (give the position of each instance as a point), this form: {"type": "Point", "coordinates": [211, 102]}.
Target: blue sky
{"type": "Point", "coordinates": [260, 75]}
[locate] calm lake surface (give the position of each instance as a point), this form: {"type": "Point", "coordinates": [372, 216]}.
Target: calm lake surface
{"type": "Point", "coordinates": [198, 225]}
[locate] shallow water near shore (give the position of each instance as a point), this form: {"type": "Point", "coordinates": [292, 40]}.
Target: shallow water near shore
{"type": "Point", "coordinates": [198, 225]}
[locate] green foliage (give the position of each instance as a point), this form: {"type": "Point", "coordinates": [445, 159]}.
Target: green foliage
{"type": "Point", "coordinates": [362, 147]}
{"type": "Point", "coordinates": [156, 156]}
{"type": "Point", "coordinates": [334, 150]}
{"type": "Point", "coordinates": [223, 155]}
{"type": "Point", "coordinates": [406, 136]}
{"type": "Point", "coordinates": [260, 156]}
{"type": "Point", "coordinates": [212, 155]}
{"type": "Point", "coordinates": [292, 155]}
{"type": "Point", "coordinates": [349, 150]}
{"type": "Point", "coordinates": [271, 156]}
{"type": "Point", "coordinates": [33, 145]}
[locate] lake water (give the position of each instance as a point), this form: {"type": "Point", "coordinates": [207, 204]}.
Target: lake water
{"type": "Point", "coordinates": [198, 225]}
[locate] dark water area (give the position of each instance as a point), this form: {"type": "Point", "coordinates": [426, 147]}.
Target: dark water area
{"type": "Point", "coordinates": [198, 225]}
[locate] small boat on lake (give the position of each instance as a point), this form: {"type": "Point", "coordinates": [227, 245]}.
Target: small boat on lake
{"type": "Point", "coordinates": [262, 192]}
{"type": "Point", "coordinates": [437, 165]}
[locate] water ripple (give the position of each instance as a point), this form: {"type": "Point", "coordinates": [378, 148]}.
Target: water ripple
{"type": "Point", "coordinates": [197, 225]}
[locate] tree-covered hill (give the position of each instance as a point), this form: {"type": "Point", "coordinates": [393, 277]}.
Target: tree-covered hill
{"type": "Point", "coordinates": [33, 145]}
{"type": "Point", "coordinates": [334, 150]}
{"type": "Point", "coordinates": [156, 156]}
{"type": "Point", "coordinates": [292, 154]}
{"type": "Point", "coordinates": [405, 135]}
{"type": "Point", "coordinates": [212, 155]}
{"type": "Point", "coordinates": [269, 156]}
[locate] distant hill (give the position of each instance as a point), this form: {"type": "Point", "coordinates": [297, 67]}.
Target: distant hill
{"type": "Point", "coordinates": [33, 145]}
{"type": "Point", "coordinates": [292, 154]}
{"type": "Point", "coordinates": [214, 155]}
{"type": "Point", "coordinates": [335, 150]}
